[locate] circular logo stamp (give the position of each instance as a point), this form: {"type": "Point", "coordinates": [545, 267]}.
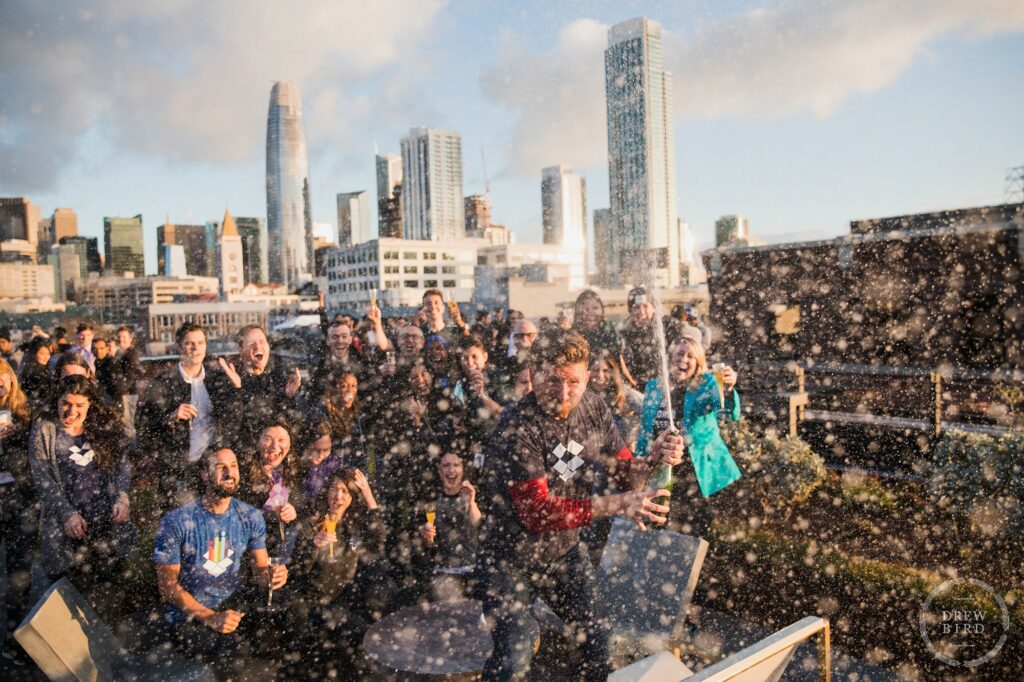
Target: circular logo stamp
{"type": "Point", "coordinates": [964, 622]}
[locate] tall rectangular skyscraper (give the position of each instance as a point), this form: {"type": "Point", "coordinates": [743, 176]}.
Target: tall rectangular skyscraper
{"type": "Point", "coordinates": [354, 218]}
{"type": "Point", "coordinates": [253, 232]}
{"type": "Point", "coordinates": [432, 185]}
{"type": "Point", "coordinates": [123, 246]}
{"type": "Point", "coordinates": [641, 154]}
{"type": "Point", "coordinates": [289, 220]}
{"type": "Point", "coordinates": [564, 207]}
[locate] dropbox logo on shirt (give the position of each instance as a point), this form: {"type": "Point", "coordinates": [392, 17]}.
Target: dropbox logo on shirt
{"type": "Point", "coordinates": [81, 455]}
{"type": "Point", "coordinates": [567, 468]}
{"type": "Point", "coordinates": [218, 555]}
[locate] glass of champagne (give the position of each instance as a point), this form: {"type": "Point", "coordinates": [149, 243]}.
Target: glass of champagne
{"type": "Point", "coordinates": [329, 526]}
{"type": "Point", "coordinates": [271, 563]}
{"type": "Point", "coordinates": [718, 368]}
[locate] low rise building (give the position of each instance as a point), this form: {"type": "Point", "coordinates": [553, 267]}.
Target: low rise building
{"type": "Point", "coordinates": [398, 271]}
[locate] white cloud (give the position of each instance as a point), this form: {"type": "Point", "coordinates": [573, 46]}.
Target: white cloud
{"type": "Point", "coordinates": [795, 57]}
{"type": "Point", "coordinates": [191, 79]}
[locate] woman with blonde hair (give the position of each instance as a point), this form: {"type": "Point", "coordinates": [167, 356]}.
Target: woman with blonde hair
{"type": "Point", "coordinates": [698, 401]}
{"type": "Point", "coordinates": [19, 504]}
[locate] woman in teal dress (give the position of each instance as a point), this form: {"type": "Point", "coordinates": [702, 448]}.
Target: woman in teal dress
{"type": "Point", "coordinates": [698, 401]}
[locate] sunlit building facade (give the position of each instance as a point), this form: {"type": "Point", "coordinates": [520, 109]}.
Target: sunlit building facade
{"type": "Point", "coordinates": [289, 221]}
{"type": "Point", "coordinates": [641, 154]}
{"type": "Point", "coordinates": [432, 202]}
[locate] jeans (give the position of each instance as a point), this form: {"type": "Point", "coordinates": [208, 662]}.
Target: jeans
{"type": "Point", "coordinates": [567, 585]}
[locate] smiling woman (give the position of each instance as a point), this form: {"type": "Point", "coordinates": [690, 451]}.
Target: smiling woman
{"type": "Point", "coordinates": [80, 464]}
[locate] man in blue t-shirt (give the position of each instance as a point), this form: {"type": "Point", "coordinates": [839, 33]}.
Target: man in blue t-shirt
{"type": "Point", "coordinates": [198, 556]}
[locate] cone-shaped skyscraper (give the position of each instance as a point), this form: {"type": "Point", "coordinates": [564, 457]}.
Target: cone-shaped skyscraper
{"type": "Point", "coordinates": [289, 221]}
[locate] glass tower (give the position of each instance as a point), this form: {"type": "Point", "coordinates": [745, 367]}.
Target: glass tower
{"type": "Point", "coordinates": [641, 153]}
{"type": "Point", "coordinates": [432, 201]}
{"type": "Point", "coordinates": [289, 221]}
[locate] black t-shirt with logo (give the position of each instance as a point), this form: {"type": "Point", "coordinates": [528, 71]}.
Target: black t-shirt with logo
{"type": "Point", "coordinates": [570, 454]}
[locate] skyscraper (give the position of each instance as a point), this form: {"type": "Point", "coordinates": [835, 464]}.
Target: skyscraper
{"type": "Point", "coordinates": [253, 232]}
{"type": "Point", "coordinates": [354, 218]}
{"type": "Point", "coordinates": [122, 246]}
{"type": "Point", "coordinates": [604, 272]}
{"type": "Point", "coordinates": [192, 239]}
{"type": "Point", "coordinates": [641, 153]}
{"type": "Point", "coordinates": [389, 196]}
{"type": "Point", "coordinates": [289, 221]}
{"type": "Point", "coordinates": [564, 208]}
{"type": "Point", "coordinates": [88, 252]}
{"type": "Point", "coordinates": [432, 184]}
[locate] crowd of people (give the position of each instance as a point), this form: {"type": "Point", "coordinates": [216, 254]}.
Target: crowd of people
{"type": "Point", "coordinates": [410, 459]}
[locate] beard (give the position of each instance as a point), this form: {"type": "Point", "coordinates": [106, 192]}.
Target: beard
{"type": "Point", "coordinates": [223, 489]}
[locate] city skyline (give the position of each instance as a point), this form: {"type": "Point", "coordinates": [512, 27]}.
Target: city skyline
{"type": "Point", "coordinates": [858, 112]}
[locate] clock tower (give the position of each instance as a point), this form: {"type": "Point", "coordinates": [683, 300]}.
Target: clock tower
{"type": "Point", "coordinates": [229, 246]}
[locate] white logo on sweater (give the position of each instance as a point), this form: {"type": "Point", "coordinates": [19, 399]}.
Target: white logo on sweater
{"type": "Point", "coordinates": [566, 468]}
{"type": "Point", "coordinates": [81, 455]}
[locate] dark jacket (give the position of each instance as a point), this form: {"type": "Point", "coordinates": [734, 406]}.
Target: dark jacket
{"type": "Point", "coordinates": [161, 441]}
{"type": "Point", "coordinates": [241, 413]}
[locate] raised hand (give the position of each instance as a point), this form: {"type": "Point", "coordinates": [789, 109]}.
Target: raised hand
{"type": "Point", "coordinates": [230, 372]}
{"type": "Point", "coordinates": [294, 382]}
{"type": "Point", "coordinates": [729, 377]}
{"type": "Point", "coordinates": [468, 492]}
{"type": "Point", "coordinates": [363, 485]}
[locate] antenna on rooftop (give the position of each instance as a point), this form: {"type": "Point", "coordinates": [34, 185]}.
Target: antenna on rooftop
{"type": "Point", "coordinates": [1013, 192]}
{"type": "Point", "coordinates": [487, 182]}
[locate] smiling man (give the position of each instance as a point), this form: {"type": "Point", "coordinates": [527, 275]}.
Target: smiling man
{"type": "Point", "coordinates": [198, 556]}
{"type": "Point", "coordinates": [254, 393]}
{"type": "Point", "coordinates": [543, 460]}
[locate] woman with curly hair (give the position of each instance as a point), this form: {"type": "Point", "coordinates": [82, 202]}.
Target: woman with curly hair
{"type": "Point", "coordinates": [79, 456]}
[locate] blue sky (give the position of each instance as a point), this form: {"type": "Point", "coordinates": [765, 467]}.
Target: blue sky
{"type": "Point", "coordinates": [802, 114]}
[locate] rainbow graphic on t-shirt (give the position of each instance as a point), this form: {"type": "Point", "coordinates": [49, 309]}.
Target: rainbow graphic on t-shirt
{"type": "Point", "coordinates": [218, 555]}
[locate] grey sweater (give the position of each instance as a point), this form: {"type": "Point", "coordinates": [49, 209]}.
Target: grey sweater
{"type": "Point", "coordinates": [55, 508]}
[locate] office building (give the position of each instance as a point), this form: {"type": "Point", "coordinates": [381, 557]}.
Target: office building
{"type": "Point", "coordinates": [604, 227]}
{"type": "Point", "coordinates": [26, 281]}
{"type": "Point", "coordinates": [354, 218]}
{"type": "Point", "coordinates": [192, 239]}
{"type": "Point", "coordinates": [172, 261]}
{"type": "Point", "coordinates": [389, 196]}
{"type": "Point", "coordinates": [289, 217]}
{"type": "Point", "coordinates": [123, 246]}
{"type": "Point", "coordinates": [63, 258]}
{"type": "Point", "coordinates": [564, 208]}
{"type": "Point", "coordinates": [477, 208]}
{"type": "Point", "coordinates": [732, 230]}
{"type": "Point", "coordinates": [400, 270]}
{"type": "Point", "coordinates": [432, 202]}
{"type": "Point", "coordinates": [253, 232]}
{"type": "Point", "coordinates": [19, 220]}
{"type": "Point", "coordinates": [641, 154]}
{"type": "Point", "coordinates": [88, 252]}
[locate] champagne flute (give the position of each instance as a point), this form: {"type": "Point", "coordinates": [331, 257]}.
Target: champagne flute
{"type": "Point", "coordinates": [271, 563]}
{"type": "Point", "coordinates": [718, 368]}
{"type": "Point", "coordinates": [329, 526]}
